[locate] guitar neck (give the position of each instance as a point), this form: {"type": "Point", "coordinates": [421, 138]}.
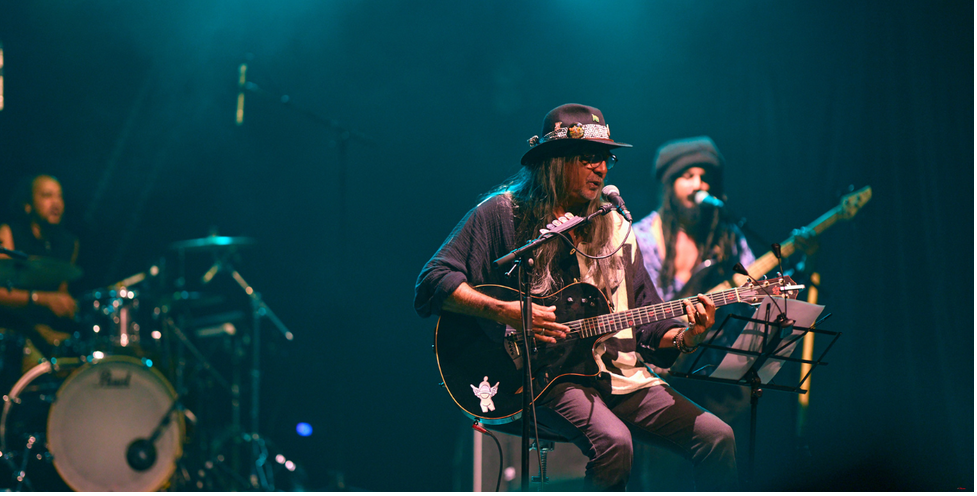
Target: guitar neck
{"type": "Point", "coordinates": [768, 261]}
{"type": "Point", "coordinates": [614, 322]}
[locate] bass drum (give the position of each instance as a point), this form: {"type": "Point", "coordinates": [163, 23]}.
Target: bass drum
{"type": "Point", "coordinates": [88, 416]}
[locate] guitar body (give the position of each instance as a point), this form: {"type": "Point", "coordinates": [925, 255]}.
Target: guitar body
{"type": "Point", "coordinates": [474, 356]}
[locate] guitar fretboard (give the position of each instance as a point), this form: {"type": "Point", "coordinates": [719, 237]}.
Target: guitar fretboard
{"type": "Point", "coordinates": [613, 322]}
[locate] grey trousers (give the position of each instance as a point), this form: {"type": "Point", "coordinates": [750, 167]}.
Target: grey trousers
{"type": "Point", "coordinates": [602, 425]}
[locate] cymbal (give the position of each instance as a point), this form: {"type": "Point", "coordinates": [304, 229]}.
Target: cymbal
{"type": "Point", "coordinates": [36, 272]}
{"type": "Point", "coordinates": [211, 243]}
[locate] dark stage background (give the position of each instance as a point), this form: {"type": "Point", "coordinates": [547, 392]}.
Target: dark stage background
{"type": "Point", "coordinates": [131, 105]}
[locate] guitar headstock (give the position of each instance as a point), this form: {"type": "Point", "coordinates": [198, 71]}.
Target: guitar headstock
{"type": "Point", "coordinates": [782, 286]}
{"type": "Point", "coordinates": [852, 202]}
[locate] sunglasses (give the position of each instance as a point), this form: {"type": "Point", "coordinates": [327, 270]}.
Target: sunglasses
{"type": "Point", "coordinates": [595, 158]}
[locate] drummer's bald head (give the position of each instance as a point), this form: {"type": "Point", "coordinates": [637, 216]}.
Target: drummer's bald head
{"type": "Point", "coordinates": [23, 196]}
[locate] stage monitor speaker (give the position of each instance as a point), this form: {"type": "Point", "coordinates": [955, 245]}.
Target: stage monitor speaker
{"type": "Point", "coordinates": [565, 465]}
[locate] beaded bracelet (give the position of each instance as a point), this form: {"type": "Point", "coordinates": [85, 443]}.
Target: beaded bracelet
{"type": "Point", "coordinates": [679, 341]}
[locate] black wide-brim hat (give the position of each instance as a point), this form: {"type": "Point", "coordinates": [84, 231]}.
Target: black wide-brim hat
{"type": "Point", "coordinates": [565, 128]}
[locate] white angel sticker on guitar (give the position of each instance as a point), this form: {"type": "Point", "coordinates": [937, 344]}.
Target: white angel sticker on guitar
{"type": "Point", "coordinates": [485, 392]}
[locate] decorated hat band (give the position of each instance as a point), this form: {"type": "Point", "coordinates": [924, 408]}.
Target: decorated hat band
{"type": "Point", "coordinates": [575, 131]}
{"type": "Point", "coordinates": [564, 128]}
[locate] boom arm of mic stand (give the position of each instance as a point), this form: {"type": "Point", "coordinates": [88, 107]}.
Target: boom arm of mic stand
{"type": "Point", "coordinates": [562, 228]}
{"type": "Point", "coordinates": [332, 124]}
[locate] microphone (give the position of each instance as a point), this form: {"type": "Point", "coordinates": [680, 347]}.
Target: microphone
{"type": "Point", "coordinates": [704, 198]}
{"type": "Point", "coordinates": [141, 455]}
{"type": "Point", "coordinates": [239, 116]}
{"type": "Point", "coordinates": [614, 195]}
{"type": "Point", "coordinates": [782, 321]}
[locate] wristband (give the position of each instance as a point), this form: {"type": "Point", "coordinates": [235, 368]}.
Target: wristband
{"type": "Point", "coordinates": [679, 341]}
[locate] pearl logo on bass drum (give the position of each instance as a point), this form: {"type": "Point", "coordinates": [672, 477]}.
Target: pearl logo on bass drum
{"type": "Point", "coordinates": [106, 380]}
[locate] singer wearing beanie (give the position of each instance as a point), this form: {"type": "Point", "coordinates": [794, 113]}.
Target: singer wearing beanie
{"type": "Point", "coordinates": [563, 177]}
{"type": "Point", "coordinates": [686, 244]}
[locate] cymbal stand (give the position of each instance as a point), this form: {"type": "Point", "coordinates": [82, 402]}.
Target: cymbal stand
{"type": "Point", "coordinates": [259, 309]}
{"type": "Point", "coordinates": [260, 477]}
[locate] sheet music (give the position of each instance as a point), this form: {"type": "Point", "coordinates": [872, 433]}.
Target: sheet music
{"type": "Point", "coordinates": [734, 366]}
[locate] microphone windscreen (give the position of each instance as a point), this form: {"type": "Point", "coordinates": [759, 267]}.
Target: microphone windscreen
{"type": "Point", "coordinates": [740, 269]}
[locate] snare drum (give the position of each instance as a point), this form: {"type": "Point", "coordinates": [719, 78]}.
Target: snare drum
{"type": "Point", "coordinates": [87, 416]}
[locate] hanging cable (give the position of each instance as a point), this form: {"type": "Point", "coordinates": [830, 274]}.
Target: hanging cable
{"type": "Point", "coordinates": [483, 430]}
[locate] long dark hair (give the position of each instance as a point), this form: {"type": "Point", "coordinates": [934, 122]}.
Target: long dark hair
{"type": "Point", "coordinates": [536, 192]}
{"type": "Point", "coordinates": [714, 238]}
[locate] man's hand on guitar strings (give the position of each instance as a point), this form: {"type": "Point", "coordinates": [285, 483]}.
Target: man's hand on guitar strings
{"type": "Point", "coordinates": [702, 314]}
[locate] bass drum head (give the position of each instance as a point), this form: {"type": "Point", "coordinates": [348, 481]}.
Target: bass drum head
{"type": "Point", "coordinates": [102, 408]}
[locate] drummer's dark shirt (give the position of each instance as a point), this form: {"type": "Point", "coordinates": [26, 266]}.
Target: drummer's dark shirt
{"type": "Point", "coordinates": [57, 243]}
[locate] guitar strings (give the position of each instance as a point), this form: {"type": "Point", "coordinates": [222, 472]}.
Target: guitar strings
{"type": "Point", "coordinates": [594, 326]}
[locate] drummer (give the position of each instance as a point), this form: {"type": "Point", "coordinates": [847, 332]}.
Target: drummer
{"type": "Point", "coordinates": [36, 230]}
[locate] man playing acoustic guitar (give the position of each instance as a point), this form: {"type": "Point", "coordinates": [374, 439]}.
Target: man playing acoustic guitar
{"type": "Point", "coordinates": [563, 176]}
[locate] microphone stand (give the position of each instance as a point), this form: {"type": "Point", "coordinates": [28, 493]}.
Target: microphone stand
{"type": "Point", "coordinates": [345, 135]}
{"type": "Point", "coordinates": [521, 259]}
{"type": "Point", "coordinates": [733, 217]}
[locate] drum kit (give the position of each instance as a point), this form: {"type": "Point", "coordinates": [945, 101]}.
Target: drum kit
{"type": "Point", "coordinates": [144, 394]}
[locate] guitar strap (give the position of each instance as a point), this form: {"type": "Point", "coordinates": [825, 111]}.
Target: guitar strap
{"type": "Point", "coordinates": [627, 275]}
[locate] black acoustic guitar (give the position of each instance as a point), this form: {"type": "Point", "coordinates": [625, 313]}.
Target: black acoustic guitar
{"type": "Point", "coordinates": [481, 365]}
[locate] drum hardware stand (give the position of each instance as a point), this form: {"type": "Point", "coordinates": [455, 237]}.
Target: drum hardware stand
{"type": "Point", "coordinates": [200, 359]}
{"type": "Point", "coordinates": [772, 347]}
{"type": "Point", "coordinates": [20, 473]}
{"type": "Point", "coordinates": [260, 478]}
{"type": "Point", "coordinates": [196, 354]}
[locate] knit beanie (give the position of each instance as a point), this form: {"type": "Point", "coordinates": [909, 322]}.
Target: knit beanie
{"type": "Point", "coordinates": [675, 156]}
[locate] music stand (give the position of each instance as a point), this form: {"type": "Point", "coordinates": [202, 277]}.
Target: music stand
{"type": "Point", "coordinates": [776, 345]}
